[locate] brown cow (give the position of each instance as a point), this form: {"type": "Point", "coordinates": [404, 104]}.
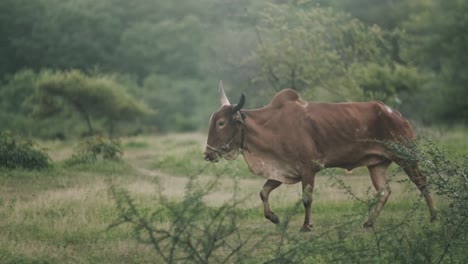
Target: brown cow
{"type": "Point", "coordinates": [290, 140]}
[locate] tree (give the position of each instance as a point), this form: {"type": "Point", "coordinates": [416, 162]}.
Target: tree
{"type": "Point", "coordinates": [430, 36]}
{"type": "Point", "coordinates": [329, 55]}
{"type": "Point", "coordinates": [183, 105]}
{"type": "Point", "coordinates": [90, 96]}
{"type": "Point", "coordinates": [15, 90]}
{"type": "Point", "coordinates": [438, 44]}
{"type": "Point", "coordinates": [136, 37]}
{"type": "Point", "coordinates": [164, 47]}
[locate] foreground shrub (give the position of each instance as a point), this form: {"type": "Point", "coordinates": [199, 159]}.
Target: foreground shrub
{"type": "Point", "coordinates": [20, 153]}
{"type": "Point", "coordinates": [96, 148]}
{"type": "Point", "coordinates": [195, 233]}
{"type": "Point", "coordinates": [191, 232]}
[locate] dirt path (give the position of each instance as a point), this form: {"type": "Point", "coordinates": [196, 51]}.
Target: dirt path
{"type": "Point", "coordinates": [326, 188]}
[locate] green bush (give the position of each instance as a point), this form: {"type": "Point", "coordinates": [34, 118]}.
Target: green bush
{"type": "Point", "coordinates": [189, 230]}
{"type": "Point", "coordinates": [19, 153]}
{"type": "Point", "coordinates": [196, 234]}
{"type": "Point", "coordinates": [96, 148]}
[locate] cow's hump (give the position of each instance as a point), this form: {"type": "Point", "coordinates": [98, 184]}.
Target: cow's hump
{"type": "Point", "coordinates": [284, 96]}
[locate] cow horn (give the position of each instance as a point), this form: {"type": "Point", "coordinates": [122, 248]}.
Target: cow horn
{"type": "Point", "coordinates": [222, 95]}
{"type": "Point", "coordinates": [240, 104]}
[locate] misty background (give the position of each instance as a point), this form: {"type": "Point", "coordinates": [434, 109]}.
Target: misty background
{"type": "Point", "coordinates": [76, 67]}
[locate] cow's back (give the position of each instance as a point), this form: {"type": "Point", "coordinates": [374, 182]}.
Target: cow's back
{"type": "Point", "coordinates": [292, 131]}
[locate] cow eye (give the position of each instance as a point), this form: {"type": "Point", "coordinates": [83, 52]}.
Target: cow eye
{"type": "Point", "coordinates": [220, 123]}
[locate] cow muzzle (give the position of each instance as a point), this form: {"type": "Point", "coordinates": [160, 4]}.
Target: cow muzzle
{"type": "Point", "coordinates": [211, 156]}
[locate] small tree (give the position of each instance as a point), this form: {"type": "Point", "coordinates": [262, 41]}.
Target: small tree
{"type": "Point", "coordinates": [90, 96]}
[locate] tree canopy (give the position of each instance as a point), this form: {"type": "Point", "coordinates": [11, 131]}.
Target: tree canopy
{"type": "Point", "coordinates": [98, 97]}
{"type": "Point", "coordinates": [408, 53]}
{"type": "Point", "coordinates": [329, 55]}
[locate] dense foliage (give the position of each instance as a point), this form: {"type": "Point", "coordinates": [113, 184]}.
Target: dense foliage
{"type": "Point", "coordinates": [407, 53]}
{"type": "Point", "coordinates": [329, 55]}
{"type": "Point", "coordinates": [19, 153]}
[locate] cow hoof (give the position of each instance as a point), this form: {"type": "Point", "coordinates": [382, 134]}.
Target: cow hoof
{"type": "Point", "coordinates": [433, 218]}
{"type": "Point", "coordinates": [273, 218]}
{"type": "Point", "coordinates": [368, 224]}
{"type": "Point", "coordinates": [305, 228]}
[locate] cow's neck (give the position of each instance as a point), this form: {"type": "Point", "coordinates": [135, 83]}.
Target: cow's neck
{"type": "Point", "coordinates": [261, 158]}
{"type": "Point", "coordinates": [257, 135]}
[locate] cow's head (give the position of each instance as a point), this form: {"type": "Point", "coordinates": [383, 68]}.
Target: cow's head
{"type": "Point", "coordinates": [225, 135]}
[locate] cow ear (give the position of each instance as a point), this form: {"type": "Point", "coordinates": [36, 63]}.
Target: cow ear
{"type": "Point", "coordinates": [222, 95]}
{"type": "Point", "coordinates": [239, 117]}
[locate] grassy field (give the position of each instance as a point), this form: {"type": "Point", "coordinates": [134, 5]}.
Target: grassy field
{"type": "Point", "coordinates": [68, 214]}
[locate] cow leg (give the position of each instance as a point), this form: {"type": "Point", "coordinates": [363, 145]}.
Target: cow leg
{"type": "Point", "coordinates": [420, 181]}
{"type": "Point", "coordinates": [269, 186]}
{"type": "Point", "coordinates": [378, 174]}
{"type": "Point", "coordinates": [307, 191]}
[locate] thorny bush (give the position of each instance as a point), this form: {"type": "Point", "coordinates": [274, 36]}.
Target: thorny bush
{"type": "Point", "coordinates": [191, 232]}
{"type": "Point", "coordinates": [195, 233]}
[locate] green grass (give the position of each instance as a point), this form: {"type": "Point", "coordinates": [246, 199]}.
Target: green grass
{"type": "Point", "coordinates": [190, 162]}
{"type": "Point", "coordinates": [62, 214]}
{"type": "Point", "coordinates": [452, 139]}
{"type": "Point", "coordinates": [136, 144]}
